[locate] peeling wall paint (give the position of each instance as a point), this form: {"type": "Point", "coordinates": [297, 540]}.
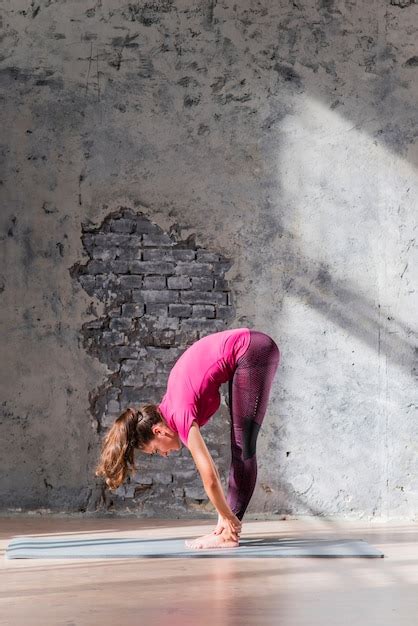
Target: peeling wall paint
{"type": "Point", "coordinates": [160, 295]}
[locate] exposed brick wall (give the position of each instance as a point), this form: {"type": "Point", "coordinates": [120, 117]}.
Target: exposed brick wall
{"type": "Point", "coordinates": [160, 295]}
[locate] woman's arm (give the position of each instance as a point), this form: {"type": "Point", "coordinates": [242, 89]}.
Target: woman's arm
{"type": "Point", "coordinates": [209, 474]}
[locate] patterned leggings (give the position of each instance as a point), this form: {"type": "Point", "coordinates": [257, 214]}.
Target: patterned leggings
{"type": "Point", "coordinates": [249, 391]}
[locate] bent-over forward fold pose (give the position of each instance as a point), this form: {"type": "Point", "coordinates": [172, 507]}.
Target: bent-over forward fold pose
{"type": "Point", "coordinates": [248, 359]}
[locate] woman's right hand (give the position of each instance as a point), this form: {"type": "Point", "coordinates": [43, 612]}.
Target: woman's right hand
{"type": "Point", "coordinates": [232, 524]}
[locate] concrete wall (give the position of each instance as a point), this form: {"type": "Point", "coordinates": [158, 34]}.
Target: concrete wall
{"type": "Point", "coordinates": [280, 137]}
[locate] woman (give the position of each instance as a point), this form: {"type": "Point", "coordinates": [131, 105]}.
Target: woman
{"type": "Point", "coordinates": [248, 359]}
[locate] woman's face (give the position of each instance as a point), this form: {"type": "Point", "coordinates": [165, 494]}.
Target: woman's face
{"type": "Point", "coordinates": [165, 441]}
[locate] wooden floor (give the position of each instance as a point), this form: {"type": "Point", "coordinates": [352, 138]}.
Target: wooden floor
{"type": "Point", "coordinates": [215, 592]}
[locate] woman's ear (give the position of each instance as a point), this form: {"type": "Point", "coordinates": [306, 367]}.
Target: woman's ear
{"type": "Point", "coordinates": [157, 429]}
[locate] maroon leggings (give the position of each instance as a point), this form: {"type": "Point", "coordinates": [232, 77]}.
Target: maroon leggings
{"type": "Point", "coordinates": [249, 390]}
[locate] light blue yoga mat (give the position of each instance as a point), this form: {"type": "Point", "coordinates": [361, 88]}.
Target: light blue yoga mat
{"type": "Point", "coordinates": [103, 548]}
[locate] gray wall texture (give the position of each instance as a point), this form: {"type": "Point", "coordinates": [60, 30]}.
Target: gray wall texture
{"type": "Point", "coordinates": [171, 168]}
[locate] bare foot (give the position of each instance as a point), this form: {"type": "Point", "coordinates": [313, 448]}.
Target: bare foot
{"type": "Point", "coordinates": [190, 543]}
{"type": "Point", "coordinates": [211, 541]}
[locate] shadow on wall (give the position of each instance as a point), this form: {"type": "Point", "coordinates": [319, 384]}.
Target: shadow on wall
{"type": "Point", "coordinates": [350, 58]}
{"type": "Point", "coordinates": [311, 282]}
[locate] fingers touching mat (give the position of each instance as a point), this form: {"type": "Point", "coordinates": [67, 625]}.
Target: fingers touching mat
{"type": "Point", "coordinates": [73, 548]}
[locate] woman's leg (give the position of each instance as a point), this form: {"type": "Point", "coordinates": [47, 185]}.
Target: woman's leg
{"type": "Point", "coordinates": [249, 391]}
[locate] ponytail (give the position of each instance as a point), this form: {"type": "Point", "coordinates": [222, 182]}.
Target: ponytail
{"type": "Point", "coordinates": [130, 431]}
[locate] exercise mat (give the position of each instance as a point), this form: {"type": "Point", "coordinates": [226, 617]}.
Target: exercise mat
{"type": "Point", "coordinates": [120, 548]}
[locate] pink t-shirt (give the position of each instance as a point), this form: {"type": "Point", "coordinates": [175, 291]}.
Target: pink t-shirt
{"type": "Point", "coordinates": [193, 384]}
